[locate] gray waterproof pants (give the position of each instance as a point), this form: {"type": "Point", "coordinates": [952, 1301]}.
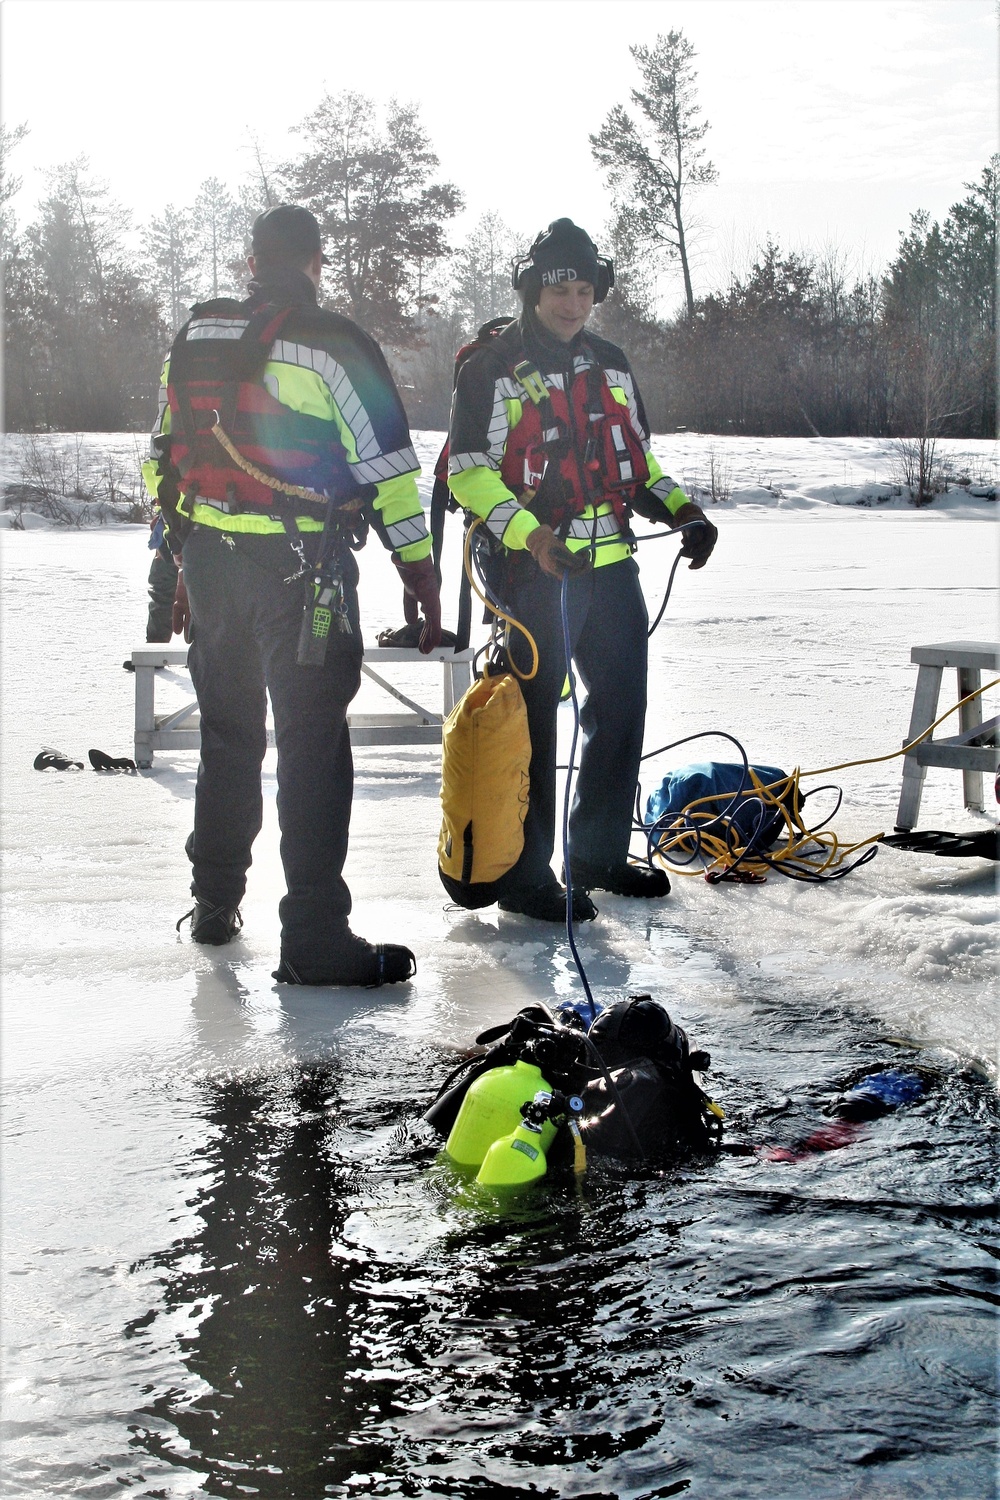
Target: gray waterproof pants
{"type": "Point", "coordinates": [607, 626]}
{"type": "Point", "coordinates": [246, 619]}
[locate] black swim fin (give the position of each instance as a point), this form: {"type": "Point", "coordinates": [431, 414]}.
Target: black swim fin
{"type": "Point", "coordinates": [102, 762]}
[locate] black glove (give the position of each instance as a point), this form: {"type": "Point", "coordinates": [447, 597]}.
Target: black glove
{"type": "Point", "coordinates": [700, 539]}
{"type": "Point", "coordinates": [420, 586]}
{"type": "Point", "coordinates": [180, 618]}
{"type": "Point", "coordinates": [553, 556]}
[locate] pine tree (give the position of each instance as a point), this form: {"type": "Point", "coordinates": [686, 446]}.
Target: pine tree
{"type": "Point", "coordinates": [482, 288]}
{"type": "Point", "coordinates": [173, 261]}
{"type": "Point", "coordinates": [381, 215]}
{"type": "Point", "coordinates": [653, 165]}
{"type": "Point", "coordinates": [217, 237]}
{"type": "Point", "coordinates": [95, 331]}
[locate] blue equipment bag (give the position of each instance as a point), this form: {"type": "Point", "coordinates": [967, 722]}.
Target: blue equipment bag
{"type": "Point", "coordinates": [721, 780]}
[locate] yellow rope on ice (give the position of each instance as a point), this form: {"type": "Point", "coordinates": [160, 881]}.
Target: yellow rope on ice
{"type": "Point", "coordinates": [499, 613]}
{"type": "Point", "coordinates": [784, 798]}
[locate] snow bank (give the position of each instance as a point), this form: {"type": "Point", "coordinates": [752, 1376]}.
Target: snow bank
{"type": "Point", "coordinates": [788, 475]}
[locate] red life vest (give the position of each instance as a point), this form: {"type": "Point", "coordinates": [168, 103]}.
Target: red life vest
{"type": "Point", "coordinates": [571, 451]}
{"type": "Point", "coordinates": [215, 376]}
{"type": "Point", "coordinates": [596, 458]}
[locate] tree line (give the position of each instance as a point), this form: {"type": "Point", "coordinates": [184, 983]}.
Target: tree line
{"type": "Point", "coordinates": [792, 346]}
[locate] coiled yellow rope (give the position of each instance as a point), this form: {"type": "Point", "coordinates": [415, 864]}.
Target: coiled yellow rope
{"type": "Point", "coordinates": [784, 798]}
{"type": "Point", "coordinates": [499, 613]}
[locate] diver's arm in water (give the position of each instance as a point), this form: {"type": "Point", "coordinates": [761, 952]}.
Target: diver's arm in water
{"type": "Point", "coordinates": [875, 1095]}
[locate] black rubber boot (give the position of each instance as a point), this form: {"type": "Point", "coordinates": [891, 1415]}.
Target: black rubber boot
{"type": "Point", "coordinates": [623, 880]}
{"type": "Point", "coordinates": [214, 925]}
{"type": "Point", "coordinates": [356, 962]}
{"type": "Point", "coordinates": [547, 903]}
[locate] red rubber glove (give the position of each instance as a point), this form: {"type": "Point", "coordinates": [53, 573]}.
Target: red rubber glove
{"type": "Point", "coordinates": [180, 618]}
{"type": "Point", "coordinates": [420, 586]}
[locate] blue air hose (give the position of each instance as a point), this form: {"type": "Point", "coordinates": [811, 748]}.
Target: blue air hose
{"type": "Point", "coordinates": [570, 938]}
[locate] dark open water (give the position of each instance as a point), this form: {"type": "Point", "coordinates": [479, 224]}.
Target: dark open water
{"type": "Point", "coordinates": [355, 1325]}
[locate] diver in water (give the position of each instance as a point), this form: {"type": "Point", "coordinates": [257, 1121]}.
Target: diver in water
{"type": "Point", "coordinates": [624, 1082]}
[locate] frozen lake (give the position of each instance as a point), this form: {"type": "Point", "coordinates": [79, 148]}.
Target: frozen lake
{"type": "Point", "coordinates": [159, 1096]}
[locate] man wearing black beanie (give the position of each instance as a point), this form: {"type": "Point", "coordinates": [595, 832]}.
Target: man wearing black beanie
{"type": "Point", "coordinates": [549, 446]}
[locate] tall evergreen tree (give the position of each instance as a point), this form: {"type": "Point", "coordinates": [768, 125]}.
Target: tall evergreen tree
{"type": "Point", "coordinates": [382, 216]}
{"type": "Point", "coordinates": [19, 293]}
{"type": "Point", "coordinates": [93, 328]}
{"type": "Point", "coordinates": [217, 236]}
{"type": "Point", "coordinates": [174, 262]}
{"type": "Point", "coordinates": [654, 163]}
{"type": "Point", "coordinates": [481, 287]}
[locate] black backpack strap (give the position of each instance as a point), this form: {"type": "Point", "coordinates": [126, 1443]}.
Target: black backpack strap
{"type": "Point", "coordinates": [441, 503]}
{"type": "Point", "coordinates": [248, 358]}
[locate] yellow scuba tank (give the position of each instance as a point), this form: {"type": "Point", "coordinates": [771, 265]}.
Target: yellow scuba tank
{"type": "Point", "coordinates": [517, 1158]}
{"type": "Point", "coordinates": [492, 1108]}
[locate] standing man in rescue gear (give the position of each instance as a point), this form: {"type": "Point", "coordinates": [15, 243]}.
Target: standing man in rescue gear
{"type": "Point", "coordinates": [280, 437]}
{"type": "Point", "coordinates": [549, 446]}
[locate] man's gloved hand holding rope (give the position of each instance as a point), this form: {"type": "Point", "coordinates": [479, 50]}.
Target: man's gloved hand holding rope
{"type": "Point", "coordinates": [553, 556]}
{"type": "Point", "coordinates": [700, 540]}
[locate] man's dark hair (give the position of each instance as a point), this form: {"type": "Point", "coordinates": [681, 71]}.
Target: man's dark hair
{"type": "Point", "coordinates": [270, 264]}
{"type": "Point", "coordinates": [285, 238]}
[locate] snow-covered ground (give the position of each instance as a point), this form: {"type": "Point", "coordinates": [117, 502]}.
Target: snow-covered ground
{"type": "Point", "coordinates": [796, 638]}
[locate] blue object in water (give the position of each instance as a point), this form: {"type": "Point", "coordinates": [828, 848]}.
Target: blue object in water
{"type": "Point", "coordinates": [720, 780]}
{"type": "Point", "coordinates": [891, 1088]}
{"type": "Point", "coordinates": [578, 1013]}
{"type": "Point", "coordinates": [878, 1093]}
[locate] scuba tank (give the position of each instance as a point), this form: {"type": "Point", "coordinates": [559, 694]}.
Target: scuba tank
{"type": "Point", "coordinates": [491, 1109]}
{"type": "Point", "coordinates": [521, 1157]}
{"type": "Point", "coordinates": [627, 1085]}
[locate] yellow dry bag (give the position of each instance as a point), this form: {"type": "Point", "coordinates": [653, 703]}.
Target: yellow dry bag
{"type": "Point", "coordinates": [484, 790]}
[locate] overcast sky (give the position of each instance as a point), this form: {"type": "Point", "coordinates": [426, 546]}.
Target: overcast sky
{"type": "Point", "coordinates": [831, 120]}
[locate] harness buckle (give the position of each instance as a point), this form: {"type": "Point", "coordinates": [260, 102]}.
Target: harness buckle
{"type": "Point", "coordinates": [536, 461]}
{"type": "Point", "coordinates": [531, 380]}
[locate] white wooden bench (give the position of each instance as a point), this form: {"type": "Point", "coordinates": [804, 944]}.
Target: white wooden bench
{"type": "Point", "coordinates": [181, 729]}
{"type": "Point", "coordinates": [973, 750]}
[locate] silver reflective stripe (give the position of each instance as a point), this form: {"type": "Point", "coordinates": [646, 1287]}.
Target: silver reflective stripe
{"type": "Point", "coordinates": [386, 466]}
{"type": "Point", "coordinates": [623, 380]}
{"type": "Point", "coordinates": [663, 487]}
{"type": "Point", "coordinates": [161, 406]}
{"type": "Point", "coordinates": [501, 516]}
{"type": "Point", "coordinates": [217, 328]}
{"type": "Point", "coordinates": [338, 383]}
{"type": "Point", "coordinates": [583, 528]}
{"type": "Point", "coordinates": [405, 533]}
{"type": "Point", "coordinates": [459, 462]}
{"type": "Point", "coordinates": [496, 433]}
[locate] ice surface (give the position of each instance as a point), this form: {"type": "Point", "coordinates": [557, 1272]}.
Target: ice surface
{"type": "Point", "coordinates": [795, 638]}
